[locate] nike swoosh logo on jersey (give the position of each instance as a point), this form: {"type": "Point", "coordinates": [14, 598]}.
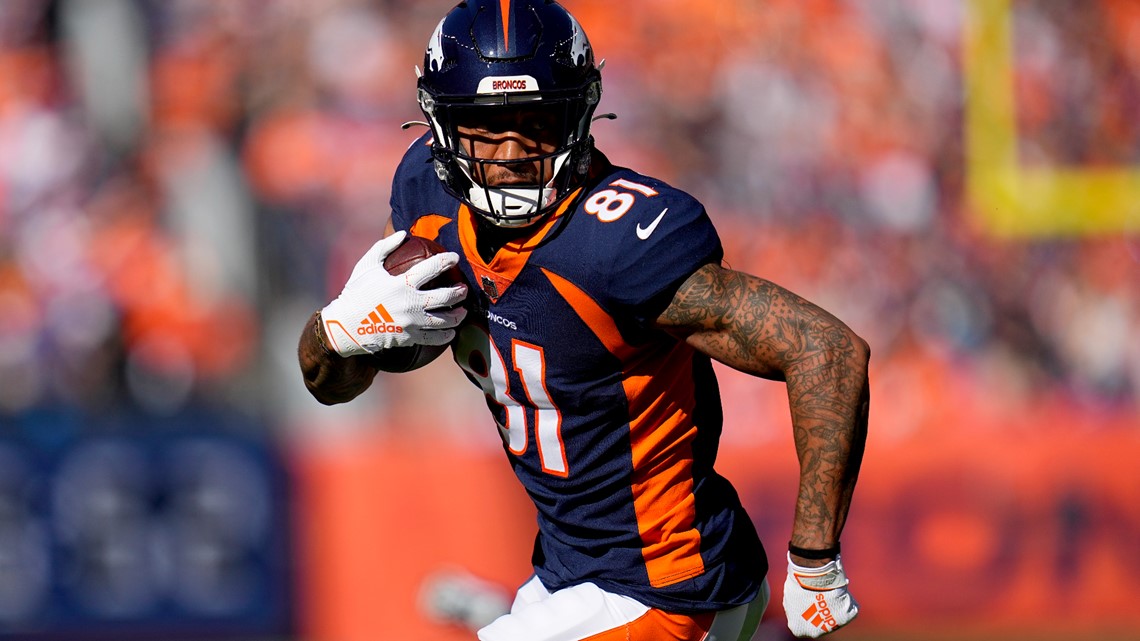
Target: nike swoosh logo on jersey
{"type": "Point", "coordinates": [644, 232]}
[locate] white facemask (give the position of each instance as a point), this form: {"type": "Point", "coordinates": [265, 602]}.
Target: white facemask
{"type": "Point", "coordinates": [515, 206]}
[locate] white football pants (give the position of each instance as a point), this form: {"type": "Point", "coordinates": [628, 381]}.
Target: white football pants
{"type": "Point", "coordinates": [587, 612]}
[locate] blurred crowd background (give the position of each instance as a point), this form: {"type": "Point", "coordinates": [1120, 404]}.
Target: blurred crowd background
{"type": "Point", "coordinates": [179, 177]}
{"type": "Point", "coordinates": [182, 182]}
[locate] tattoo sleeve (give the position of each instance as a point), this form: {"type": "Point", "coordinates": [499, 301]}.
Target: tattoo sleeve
{"type": "Point", "coordinates": [758, 327]}
{"type": "Point", "coordinates": [329, 377]}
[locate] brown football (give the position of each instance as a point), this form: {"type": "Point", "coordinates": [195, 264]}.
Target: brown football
{"type": "Point", "coordinates": [411, 251]}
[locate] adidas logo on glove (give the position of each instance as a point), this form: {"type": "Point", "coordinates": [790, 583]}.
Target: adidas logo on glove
{"type": "Point", "coordinates": [819, 615]}
{"type": "Point", "coordinates": [379, 321]}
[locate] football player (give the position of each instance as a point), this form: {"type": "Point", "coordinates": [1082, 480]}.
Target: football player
{"type": "Point", "coordinates": [597, 298]}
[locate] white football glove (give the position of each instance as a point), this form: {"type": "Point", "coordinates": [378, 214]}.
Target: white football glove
{"type": "Point", "coordinates": [377, 311]}
{"type": "Point", "coordinates": [816, 600]}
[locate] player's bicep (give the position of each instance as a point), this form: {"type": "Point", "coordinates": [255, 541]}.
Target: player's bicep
{"type": "Point", "coordinates": [749, 323]}
{"type": "Point", "coordinates": [721, 313]}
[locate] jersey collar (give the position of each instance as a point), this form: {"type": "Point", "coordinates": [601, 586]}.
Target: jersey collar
{"type": "Point", "coordinates": [496, 276]}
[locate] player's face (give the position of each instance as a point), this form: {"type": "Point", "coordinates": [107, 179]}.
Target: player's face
{"type": "Point", "coordinates": [509, 134]}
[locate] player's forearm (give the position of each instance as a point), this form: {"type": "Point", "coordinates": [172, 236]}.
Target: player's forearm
{"type": "Point", "coordinates": [758, 327]}
{"type": "Point", "coordinates": [329, 377]}
{"type": "Point", "coordinates": [829, 397]}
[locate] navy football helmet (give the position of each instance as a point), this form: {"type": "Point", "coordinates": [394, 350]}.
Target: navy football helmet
{"type": "Point", "coordinates": [522, 57]}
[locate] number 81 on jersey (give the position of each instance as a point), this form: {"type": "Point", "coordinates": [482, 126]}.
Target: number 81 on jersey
{"type": "Point", "coordinates": [477, 354]}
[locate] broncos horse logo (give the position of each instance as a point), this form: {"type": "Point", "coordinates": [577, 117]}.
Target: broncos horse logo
{"type": "Point", "coordinates": [435, 48]}
{"type": "Point", "coordinates": [580, 47]}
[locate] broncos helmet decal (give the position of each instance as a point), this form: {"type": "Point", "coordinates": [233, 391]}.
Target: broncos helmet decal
{"type": "Point", "coordinates": [434, 57]}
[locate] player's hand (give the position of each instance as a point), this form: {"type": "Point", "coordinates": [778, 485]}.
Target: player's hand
{"type": "Point", "coordinates": [816, 600]}
{"type": "Point", "coordinates": [377, 311]}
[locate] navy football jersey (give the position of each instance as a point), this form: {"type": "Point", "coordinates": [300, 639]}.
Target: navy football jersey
{"type": "Point", "coordinates": [611, 425]}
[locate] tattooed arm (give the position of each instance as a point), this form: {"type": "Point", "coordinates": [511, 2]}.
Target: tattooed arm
{"type": "Point", "coordinates": [757, 327]}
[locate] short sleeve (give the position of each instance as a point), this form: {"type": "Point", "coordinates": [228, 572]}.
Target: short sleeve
{"type": "Point", "coordinates": [669, 242]}
{"type": "Point", "coordinates": [408, 184]}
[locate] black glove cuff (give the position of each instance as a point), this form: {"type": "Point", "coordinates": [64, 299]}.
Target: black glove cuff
{"type": "Point", "coordinates": [815, 555]}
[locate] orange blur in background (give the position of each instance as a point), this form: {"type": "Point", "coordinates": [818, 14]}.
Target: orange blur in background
{"type": "Point", "coordinates": [182, 182]}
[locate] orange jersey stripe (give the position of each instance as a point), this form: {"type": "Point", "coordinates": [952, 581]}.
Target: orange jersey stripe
{"type": "Point", "coordinates": [428, 226]}
{"type": "Point", "coordinates": [592, 314]}
{"type": "Point", "coordinates": [661, 399]}
{"type": "Point", "coordinates": [661, 436]}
